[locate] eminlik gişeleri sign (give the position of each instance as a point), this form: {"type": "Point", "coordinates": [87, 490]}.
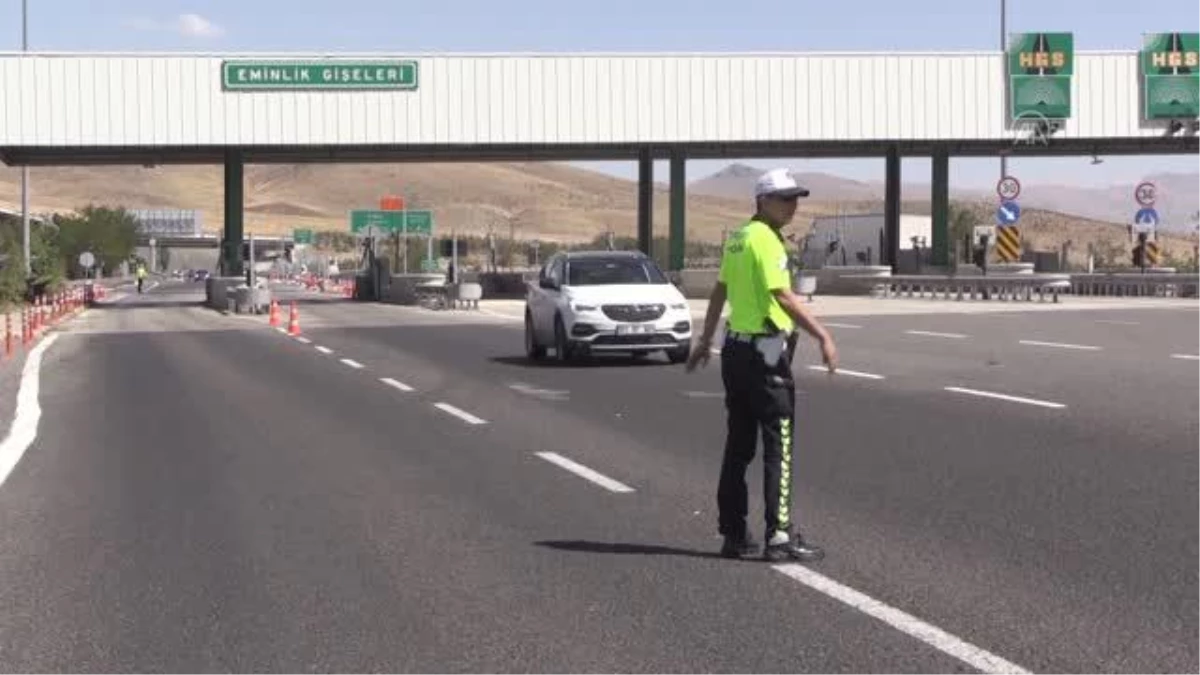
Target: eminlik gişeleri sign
{"type": "Point", "coordinates": [300, 75]}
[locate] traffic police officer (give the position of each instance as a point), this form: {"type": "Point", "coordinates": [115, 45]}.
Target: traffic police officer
{"type": "Point", "coordinates": [756, 367]}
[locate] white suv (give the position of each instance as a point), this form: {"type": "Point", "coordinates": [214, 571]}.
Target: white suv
{"type": "Point", "coordinates": [605, 301]}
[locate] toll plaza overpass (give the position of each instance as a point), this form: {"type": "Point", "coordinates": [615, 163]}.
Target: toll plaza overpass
{"type": "Point", "coordinates": [261, 243]}
{"type": "Point", "coordinates": [63, 108]}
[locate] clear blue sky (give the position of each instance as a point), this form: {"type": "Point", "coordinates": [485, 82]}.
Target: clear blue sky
{"type": "Point", "coordinates": [624, 25]}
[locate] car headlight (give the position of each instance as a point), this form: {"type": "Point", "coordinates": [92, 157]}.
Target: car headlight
{"type": "Point", "coordinates": [580, 307]}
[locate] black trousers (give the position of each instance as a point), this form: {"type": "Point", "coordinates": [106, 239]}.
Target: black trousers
{"type": "Point", "coordinates": [757, 397]}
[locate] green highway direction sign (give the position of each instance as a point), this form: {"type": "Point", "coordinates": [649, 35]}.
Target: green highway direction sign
{"type": "Point", "coordinates": [302, 236]}
{"type": "Point", "coordinates": [1040, 66]}
{"type": "Point", "coordinates": [406, 223]}
{"type": "Point", "coordinates": [310, 75]}
{"type": "Point", "coordinates": [1171, 75]}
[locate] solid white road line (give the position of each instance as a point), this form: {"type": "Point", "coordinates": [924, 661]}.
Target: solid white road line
{"type": "Point", "coordinates": [584, 472]}
{"type": "Point", "coordinates": [352, 363]}
{"type": "Point", "coordinates": [1118, 322]}
{"type": "Point", "coordinates": [1006, 397]}
{"type": "Point", "coordinates": [850, 373]}
{"type": "Point", "coordinates": [324, 350]}
{"type": "Point", "coordinates": [459, 413]}
{"type": "Point", "coordinates": [933, 636]}
{"type": "Point", "coordinates": [934, 334]}
{"type": "Point", "coordinates": [1062, 345]}
{"type": "Point", "coordinates": [1188, 357]}
{"type": "Point", "coordinates": [393, 383]}
{"type": "Point", "coordinates": [25, 422]}
{"type": "Point", "coordinates": [838, 325]}
{"type": "Point", "coordinates": [303, 340]}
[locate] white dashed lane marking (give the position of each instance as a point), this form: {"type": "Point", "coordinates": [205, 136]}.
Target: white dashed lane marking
{"type": "Point", "coordinates": [1060, 345]}
{"type": "Point", "coordinates": [584, 472]}
{"type": "Point", "coordinates": [352, 363]}
{"type": "Point", "coordinates": [929, 333]}
{"type": "Point", "coordinates": [976, 657]}
{"type": "Point", "coordinates": [459, 413]}
{"type": "Point", "coordinates": [848, 373]}
{"type": "Point", "coordinates": [324, 350]}
{"type": "Point", "coordinates": [1006, 397]}
{"type": "Point", "coordinates": [395, 384]}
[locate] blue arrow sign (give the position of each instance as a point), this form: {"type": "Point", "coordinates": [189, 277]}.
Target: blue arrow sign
{"type": "Point", "coordinates": [1007, 213]}
{"type": "Point", "coordinates": [1147, 217]}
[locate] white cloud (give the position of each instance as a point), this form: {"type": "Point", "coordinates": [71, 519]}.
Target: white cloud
{"type": "Point", "coordinates": [187, 25]}
{"type": "Point", "coordinates": [195, 25]}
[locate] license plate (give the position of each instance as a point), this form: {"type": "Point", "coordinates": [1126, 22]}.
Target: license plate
{"type": "Point", "coordinates": [635, 328]}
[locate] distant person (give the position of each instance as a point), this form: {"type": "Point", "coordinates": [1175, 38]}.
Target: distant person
{"type": "Point", "coordinates": [756, 368]}
{"type": "Point", "coordinates": [141, 276]}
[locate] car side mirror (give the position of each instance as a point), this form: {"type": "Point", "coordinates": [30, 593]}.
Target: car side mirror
{"type": "Point", "coordinates": [548, 283]}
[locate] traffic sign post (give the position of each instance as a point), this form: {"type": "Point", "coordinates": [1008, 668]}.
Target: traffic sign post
{"type": "Point", "coordinates": [1146, 219]}
{"type": "Point", "coordinates": [1146, 193]}
{"type": "Point", "coordinates": [1009, 188]}
{"type": "Point", "coordinates": [1008, 213]}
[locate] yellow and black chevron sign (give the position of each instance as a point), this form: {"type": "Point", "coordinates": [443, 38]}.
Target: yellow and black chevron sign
{"type": "Point", "coordinates": [1152, 254]}
{"type": "Point", "coordinates": [1008, 243]}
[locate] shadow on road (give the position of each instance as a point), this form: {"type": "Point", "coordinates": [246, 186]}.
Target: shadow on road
{"type": "Point", "coordinates": [626, 549]}
{"type": "Point", "coordinates": [588, 362]}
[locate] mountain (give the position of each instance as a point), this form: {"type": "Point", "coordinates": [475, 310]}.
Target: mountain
{"type": "Point", "coordinates": [736, 181]}
{"type": "Point", "coordinates": [1051, 215]}
{"type": "Point", "coordinates": [1178, 195]}
{"type": "Point", "coordinates": [545, 200]}
{"type": "Point", "coordinates": [548, 201]}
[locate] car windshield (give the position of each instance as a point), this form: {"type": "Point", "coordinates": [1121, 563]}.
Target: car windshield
{"type": "Point", "coordinates": [602, 271]}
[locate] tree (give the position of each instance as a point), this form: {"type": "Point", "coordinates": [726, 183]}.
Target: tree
{"type": "Point", "coordinates": [109, 233]}
{"type": "Point", "coordinates": [961, 218]}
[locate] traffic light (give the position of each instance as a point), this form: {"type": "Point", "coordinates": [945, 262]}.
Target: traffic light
{"type": "Point", "coordinates": [245, 251]}
{"type": "Point", "coordinates": [287, 251]}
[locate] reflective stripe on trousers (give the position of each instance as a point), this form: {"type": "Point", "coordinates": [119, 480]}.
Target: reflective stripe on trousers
{"type": "Point", "coordinates": [758, 399]}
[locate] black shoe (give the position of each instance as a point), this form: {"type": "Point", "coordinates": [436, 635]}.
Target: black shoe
{"type": "Point", "coordinates": [794, 548]}
{"type": "Point", "coordinates": [739, 547]}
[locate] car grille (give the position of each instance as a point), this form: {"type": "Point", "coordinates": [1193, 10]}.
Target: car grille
{"type": "Point", "coordinates": [619, 340]}
{"type": "Point", "coordinates": [633, 313]}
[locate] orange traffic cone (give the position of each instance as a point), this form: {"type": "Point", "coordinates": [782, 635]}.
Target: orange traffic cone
{"type": "Point", "coordinates": [294, 321]}
{"type": "Point", "coordinates": [273, 317]}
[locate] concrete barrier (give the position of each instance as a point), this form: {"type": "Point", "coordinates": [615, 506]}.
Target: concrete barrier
{"type": "Point", "coordinates": [1018, 286]}
{"type": "Point", "coordinates": [1160, 282]}
{"type": "Point", "coordinates": [217, 291]}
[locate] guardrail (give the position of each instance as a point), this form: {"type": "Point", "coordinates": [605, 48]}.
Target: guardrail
{"type": "Point", "coordinates": [1135, 284]}
{"type": "Point", "coordinates": [1003, 287]}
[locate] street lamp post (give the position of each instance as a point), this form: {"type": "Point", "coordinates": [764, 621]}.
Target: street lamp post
{"type": "Point", "coordinates": [25, 168]}
{"type": "Point", "coordinates": [1003, 46]}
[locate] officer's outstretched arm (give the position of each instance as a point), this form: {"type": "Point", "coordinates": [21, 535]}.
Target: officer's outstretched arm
{"type": "Point", "coordinates": [716, 303]}
{"type": "Point", "coordinates": [792, 304]}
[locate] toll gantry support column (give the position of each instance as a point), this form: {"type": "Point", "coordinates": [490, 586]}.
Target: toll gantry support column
{"type": "Point", "coordinates": [678, 207]}
{"type": "Point", "coordinates": [940, 201]}
{"type": "Point", "coordinates": [891, 208]}
{"type": "Point", "coordinates": [645, 202]}
{"type": "Point", "coordinates": [231, 242]}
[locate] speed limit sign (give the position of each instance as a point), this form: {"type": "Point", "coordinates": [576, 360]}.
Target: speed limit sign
{"type": "Point", "coordinates": [1145, 193]}
{"type": "Point", "coordinates": [1008, 188]}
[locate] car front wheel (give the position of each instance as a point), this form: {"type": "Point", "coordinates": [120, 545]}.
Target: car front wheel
{"type": "Point", "coordinates": [532, 349]}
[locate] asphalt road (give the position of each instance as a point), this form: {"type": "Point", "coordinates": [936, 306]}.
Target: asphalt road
{"type": "Point", "coordinates": [205, 493]}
